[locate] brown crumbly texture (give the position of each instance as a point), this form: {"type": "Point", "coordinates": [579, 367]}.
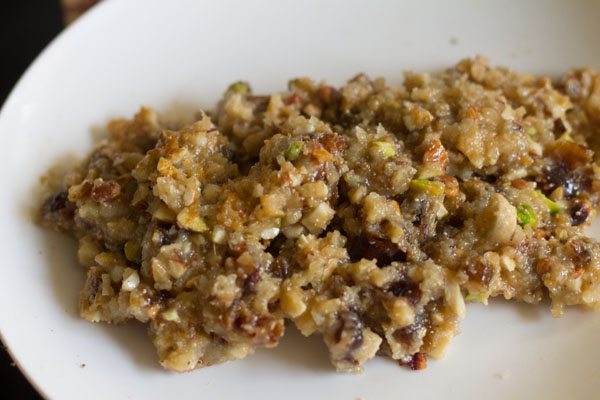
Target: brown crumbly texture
{"type": "Point", "coordinates": [367, 214]}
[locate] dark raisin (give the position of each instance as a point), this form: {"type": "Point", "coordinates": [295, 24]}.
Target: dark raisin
{"type": "Point", "coordinates": [480, 273]}
{"type": "Point", "coordinates": [239, 321]}
{"type": "Point", "coordinates": [281, 267]}
{"type": "Point", "coordinates": [408, 334]}
{"type": "Point", "coordinates": [579, 214]}
{"type": "Point", "coordinates": [350, 330]}
{"type": "Point", "coordinates": [406, 288]}
{"type": "Point", "coordinates": [488, 178]}
{"type": "Point", "coordinates": [261, 103]}
{"type": "Point", "coordinates": [161, 298]}
{"type": "Point", "coordinates": [559, 127]}
{"type": "Point", "coordinates": [55, 202]}
{"type": "Point", "coordinates": [228, 152]}
{"type": "Point", "coordinates": [94, 285]}
{"type": "Point", "coordinates": [275, 245]}
{"type": "Point", "coordinates": [374, 248]}
{"type": "Point", "coordinates": [348, 120]}
{"type": "Point", "coordinates": [581, 255]}
{"type": "Point", "coordinates": [250, 282]}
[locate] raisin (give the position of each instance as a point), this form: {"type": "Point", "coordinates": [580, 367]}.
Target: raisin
{"type": "Point", "coordinates": [374, 248]}
{"type": "Point", "coordinates": [281, 268]}
{"type": "Point", "coordinates": [409, 333]}
{"type": "Point", "coordinates": [350, 328]}
{"type": "Point", "coordinates": [581, 255]}
{"type": "Point", "coordinates": [55, 202]}
{"type": "Point", "coordinates": [275, 245]}
{"type": "Point", "coordinates": [480, 273]}
{"type": "Point", "coordinates": [407, 289]}
{"type": "Point", "coordinates": [248, 287]}
{"type": "Point", "coordinates": [579, 214]}
{"type": "Point", "coordinates": [559, 127]}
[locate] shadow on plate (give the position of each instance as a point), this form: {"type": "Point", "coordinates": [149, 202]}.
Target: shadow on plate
{"type": "Point", "coordinates": [66, 278]}
{"type": "Point", "coordinates": [307, 353]}
{"type": "Point", "coordinates": [132, 338]}
{"type": "Point", "coordinates": [527, 312]}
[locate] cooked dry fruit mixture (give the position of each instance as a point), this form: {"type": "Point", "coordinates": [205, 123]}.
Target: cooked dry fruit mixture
{"type": "Point", "coordinates": [367, 214]}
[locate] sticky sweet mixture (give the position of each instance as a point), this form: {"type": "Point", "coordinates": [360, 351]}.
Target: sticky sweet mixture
{"type": "Point", "coordinates": [366, 214]}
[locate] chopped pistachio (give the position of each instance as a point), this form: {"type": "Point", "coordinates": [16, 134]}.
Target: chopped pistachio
{"type": "Point", "coordinates": [526, 216]}
{"type": "Point", "coordinates": [294, 151]}
{"type": "Point", "coordinates": [303, 84]}
{"type": "Point", "coordinates": [433, 188]}
{"type": "Point", "coordinates": [386, 149]}
{"type": "Point", "coordinates": [566, 137]}
{"type": "Point", "coordinates": [531, 131]}
{"type": "Point", "coordinates": [132, 250]}
{"type": "Point", "coordinates": [171, 314]}
{"type": "Point", "coordinates": [239, 87]}
{"type": "Point", "coordinates": [553, 207]}
{"type": "Point", "coordinates": [432, 171]}
{"type": "Point", "coordinates": [479, 297]}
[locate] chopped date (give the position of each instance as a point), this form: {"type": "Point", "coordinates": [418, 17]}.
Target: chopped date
{"type": "Point", "coordinates": [416, 362]}
{"type": "Point", "coordinates": [480, 273]}
{"type": "Point", "coordinates": [105, 191]}
{"type": "Point", "coordinates": [333, 143]}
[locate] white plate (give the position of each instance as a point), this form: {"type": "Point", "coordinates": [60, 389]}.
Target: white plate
{"type": "Point", "coordinates": [180, 55]}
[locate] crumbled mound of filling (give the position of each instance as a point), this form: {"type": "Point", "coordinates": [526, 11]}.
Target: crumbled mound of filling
{"type": "Point", "coordinates": [367, 214]}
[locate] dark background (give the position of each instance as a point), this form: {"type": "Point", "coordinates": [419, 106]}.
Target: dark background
{"type": "Point", "coordinates": [26, 27]}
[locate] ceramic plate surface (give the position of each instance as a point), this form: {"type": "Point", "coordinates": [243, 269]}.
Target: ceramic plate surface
{"type": "Point", "coordinates": [178, 56]}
